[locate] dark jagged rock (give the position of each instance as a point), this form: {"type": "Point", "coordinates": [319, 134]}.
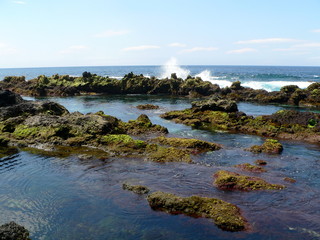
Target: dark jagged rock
{"type": "Point", "coordinates": [138, 189]}
{"type": "Point", "coordinates": [8, 98]}
{"type": "Point", "coordinates": [226, 180]}
{"type": "Point", "coordinates": [260, 162]}
{"type": "Point", "coordinates": [270, 146]}
{"type": "Point", "coordinates": [13, 231]}
{"type": "Point", "coordinates": [225, 215]}
{"type": "Point", "coordinates": [215, 104]}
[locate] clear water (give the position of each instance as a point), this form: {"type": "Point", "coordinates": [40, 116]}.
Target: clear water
{"type": "Point", "coordinates": [257, 77]}
{"type": "Point", "coordinates": [68, 198]}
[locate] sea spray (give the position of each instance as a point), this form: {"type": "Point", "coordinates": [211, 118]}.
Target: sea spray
{"type": "Point", "coordinates": [172, 67]}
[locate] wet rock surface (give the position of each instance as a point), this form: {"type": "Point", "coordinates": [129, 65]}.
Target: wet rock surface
{"type": "Point", "coordinates": [138, 189]}
{"type": "Point", "coordinates": [225, 215]}
{"type": "Point", "coordinates": [226, 180]}
{"type": "Point", "coordinates": [13, 231]}
{"type": "Point", "coordinates": [285, 124]}
{"type": "Point", "coordinates": [270, 146]}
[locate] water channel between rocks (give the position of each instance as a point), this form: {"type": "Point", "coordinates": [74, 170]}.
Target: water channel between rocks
{"type": "Point", "coordinates": [69, 198]}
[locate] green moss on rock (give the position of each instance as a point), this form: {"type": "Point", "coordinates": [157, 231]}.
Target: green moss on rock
{"type": "Point", "coordinates": [225, 215]}
{"type": "Point", "coordinates": [188, 143]}
{"type": "Point", "coordinates": [250, 168]}
{"type": "Point", "coordinates": [226, 180]}
{"type": "Point", "coordinates": [157, 153]}
{"type": "Point", "coordinates": [138, 189]}
{"type": "Point", "coordinates": [270, 146]}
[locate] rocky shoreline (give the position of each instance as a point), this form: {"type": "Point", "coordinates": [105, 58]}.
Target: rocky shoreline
{"type": "Point", "coordinates": [50, 127]}
{"type": "Point", "coordinates": [92, 84]}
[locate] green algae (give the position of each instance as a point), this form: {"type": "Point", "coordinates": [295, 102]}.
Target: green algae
{"type": "Point", "coordinates": [227, 180]}
{"type": "Point", "coordinates": [161, 154]}
{"type": "Point", "coordinates": [225, 215]}
{"type": "Point", "coordinates": [270, 146]}
{"type": "Point", "coordinates": [188, 143]}
{"type": "Point", "coordinates": [250, 168]}
{"type": "Point", "coordinates": [138, 189]}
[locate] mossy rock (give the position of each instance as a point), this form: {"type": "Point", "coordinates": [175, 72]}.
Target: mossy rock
{"type": "Point", "coordinates": [226, 180]}
{"type": "Point", "coordinates": [270, 146]}
{"type": "Point", "coordinates": [138, 189]}
{"type": "Point", "coordinates": [143, 125]}
{"type": "Point", "coordinates": [161, 154]}
{"type": "Point", "coordinates": [250, 168]}
{"type": "Point", "coordinates": [147, 107]}
{"type": "Point", "coordinates": [225, 215]}
{"type": "Point", "coordinates": [260, 162]}
{"type": "Point", "coordinates": [187, 143]}
{"type": "Point", "coordinates": [122, 143]}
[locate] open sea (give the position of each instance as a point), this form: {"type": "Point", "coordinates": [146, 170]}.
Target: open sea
{"type": "Point", "coordinates": [68, 198]}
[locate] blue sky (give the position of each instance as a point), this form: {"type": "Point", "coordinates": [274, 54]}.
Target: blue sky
{"type": "Point", "coordinates": [39, 33]}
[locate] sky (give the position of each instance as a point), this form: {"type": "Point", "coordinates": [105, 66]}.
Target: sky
{"type": "Point", "coordinates": [42, 33]}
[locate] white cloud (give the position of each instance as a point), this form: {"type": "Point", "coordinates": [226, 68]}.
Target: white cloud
{"type": "Point", "coordinates": [316, 30]}
{"type": "Point", "coordinates": [176, 44]}
{"type": "Point", "coordinates": [199, 49]}
{"type": "Point", "coordinates": [268, 40]}
{"type": "Point", "coordinates": [140, 48]}
{"type": "Point", "coordinates": [111, 33]}
{"type": "Point", "coordinates": [19, 2]}
{"type": "Point", "coordinates": [308, 45]}
{"type": "Point", "coordinates": [6, 49]}
{"type": "Point", "coordinates": [242, 50]}
{"type": "Point", "coordinates": [73, 49]}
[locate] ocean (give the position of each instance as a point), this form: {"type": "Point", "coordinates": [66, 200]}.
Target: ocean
{"type": "Point", "coordinates": [270, 78]}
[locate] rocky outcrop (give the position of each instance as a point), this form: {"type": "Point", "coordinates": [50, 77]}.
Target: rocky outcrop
{"type": "Point", "coordinates": [147, 107]}
{"type": "Point", "coordinates": [35, 124]}
{"type": "Point", "coordinates": [250, 168]}
{"type": "Point", "coordinates": [193, 145]}
{"type": "Point", "coordinates": [285, 124]}
{"type": "Point", "coordinates": [215, 104]}
{"type": "Point", "coordinates": [13, 231]}
{"type": "Point", "coordinates": [138, 189]}
{"type": "Point", "coordinates": [226, 180]}
{"type": "Point", "coordinates": [225, 215]}
{"type": "Point", "coordinates": [270, 146]}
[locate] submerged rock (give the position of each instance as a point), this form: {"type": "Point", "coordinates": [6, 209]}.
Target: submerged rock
{"type": "Point", "coordinates": [226, 180]}
{"type": "Point", "coordinates": [147, 107]}
{"type": "Point", "coordinates": [260, 162]}
{"type": "Point", "coordinates": [13, 231]}
{"type": "Point", "coordinates": [290, 180]}
{"type": "Point", "coordinates": [270, 146]}
{"type": "Point", "coordinates": [250, 168]}
{"type": "Point", "coordinates": [138, 189]}
{"type": "Point", "coordinates": [225, 215]}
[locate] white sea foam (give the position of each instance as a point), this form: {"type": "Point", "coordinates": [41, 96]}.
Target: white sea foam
{"type": "Point", "coordinates": [274, 85]}
{"type": "Point", "coordinates": [172, 67]}
{"type": "Point", "coordinates": [205, 75]}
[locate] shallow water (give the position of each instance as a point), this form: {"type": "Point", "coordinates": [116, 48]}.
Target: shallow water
{"type": "Point", "coordinates": [68, 198]}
